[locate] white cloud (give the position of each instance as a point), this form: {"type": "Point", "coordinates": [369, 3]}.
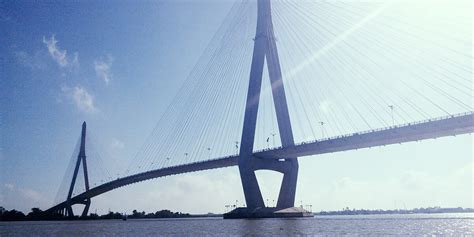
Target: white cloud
{"type": "Point", "coordinates": [57, 54]}
{"type": "Point", "coordinates": [60, 56]}
{"type": "Point", "coordinates": [102, 69]}
{"type": "Point", "coordinates": [117, 144]}
{"type": "Point", "coordinates": [83, 100]}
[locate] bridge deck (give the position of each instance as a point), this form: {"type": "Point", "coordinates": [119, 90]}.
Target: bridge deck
{"type": "Point", "coordinates": [434, 128]}
{"type": "Point", "coordinates": [120, 182]}
{"type": "Point", "coordinates": [447, 126]}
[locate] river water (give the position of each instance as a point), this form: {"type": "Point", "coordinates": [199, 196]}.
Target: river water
{"type": "Point", "coordinates": [365, 225]}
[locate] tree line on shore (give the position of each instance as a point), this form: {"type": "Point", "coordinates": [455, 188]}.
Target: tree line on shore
{"type": "Point", "coordinates": [428, 210]}
{"type": "Point", "coordinates": [37, 214]}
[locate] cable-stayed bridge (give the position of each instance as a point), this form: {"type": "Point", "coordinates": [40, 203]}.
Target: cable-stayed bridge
{"type": "Point", "coordinates": [377, 72]}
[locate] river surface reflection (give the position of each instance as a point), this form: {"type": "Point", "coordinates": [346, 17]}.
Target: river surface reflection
{"type": "Point", "coordinates": [375, 225]}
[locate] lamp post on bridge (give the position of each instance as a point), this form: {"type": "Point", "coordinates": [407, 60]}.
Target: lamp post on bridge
{"type": "Point", "coordinates": [322, 128]}
{"type": "Point", "coordinates": [391, 112]}
{"type": "Point", "coordinates": [273, 138]}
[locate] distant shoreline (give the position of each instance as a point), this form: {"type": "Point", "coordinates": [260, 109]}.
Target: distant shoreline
{"type": "Point", "coordinates": [339, 213]}
{"type": "Point", "coordinates": [429, 210]}
{"type": "Point", "coordinates": [38, 215]}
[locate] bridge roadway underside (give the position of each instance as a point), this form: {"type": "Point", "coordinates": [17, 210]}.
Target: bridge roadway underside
{"type": "Point", "coordinates": [449, 126]}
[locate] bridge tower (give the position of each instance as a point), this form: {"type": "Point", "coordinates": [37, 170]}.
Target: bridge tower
{"type": "Point", "coordinates": [265, 48]}
{"type": "Point", "coordinates": [81, 158]}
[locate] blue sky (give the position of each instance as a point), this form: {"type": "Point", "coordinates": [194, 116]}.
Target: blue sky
{"type": "Point", "coordinates": [118, 65]}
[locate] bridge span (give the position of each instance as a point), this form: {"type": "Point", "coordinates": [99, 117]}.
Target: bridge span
{"type": "Point", "coordinates": [429, 129]}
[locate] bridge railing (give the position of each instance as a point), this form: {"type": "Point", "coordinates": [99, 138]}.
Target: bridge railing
{"type": "Point", "coordinates": [373, 130]}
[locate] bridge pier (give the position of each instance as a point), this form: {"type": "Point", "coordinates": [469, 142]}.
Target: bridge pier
{"type": "Point", "coordinates": [253, 195]}
{"type": "Point", "coordinates": [68, 211]}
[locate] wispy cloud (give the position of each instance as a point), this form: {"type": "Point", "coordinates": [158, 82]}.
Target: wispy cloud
{"type": "Point", "coordinates": [83, 100]}
{"type": "Point", "coordinates": [103, 69]}
{"type": "Point", "coordinates": [59, 55]}
{"type": "Point", "coordinates": [117, 144]}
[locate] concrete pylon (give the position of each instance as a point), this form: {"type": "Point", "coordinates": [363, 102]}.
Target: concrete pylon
{"type": "Point", "coordinates": [265, 48]}
{"type": "Point", "coordinates": [81, 158]}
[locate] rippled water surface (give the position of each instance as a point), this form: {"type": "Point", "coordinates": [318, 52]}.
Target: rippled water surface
{"type": "Point", "coordinates": [375, 225]}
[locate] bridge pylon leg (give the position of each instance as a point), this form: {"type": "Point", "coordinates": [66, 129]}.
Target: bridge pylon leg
{"type": "Point", "coordinates": [253, 195]}
{"type": "Point", "coordinates": [86, 208]}
{"type": "Point", "coordinates": [286, 197]}
{"type": "Point", "coordinates": [69, 211]}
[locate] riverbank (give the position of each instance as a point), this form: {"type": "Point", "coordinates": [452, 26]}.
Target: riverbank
{"type": "Point", "coordinates": [37, 214]}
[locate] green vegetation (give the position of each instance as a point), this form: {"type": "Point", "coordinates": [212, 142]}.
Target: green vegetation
{"type": "Point", "coordinates": [38, 214]}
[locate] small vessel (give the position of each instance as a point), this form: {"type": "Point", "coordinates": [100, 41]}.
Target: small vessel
{"type": "Point", "coordinates": [124, 217]}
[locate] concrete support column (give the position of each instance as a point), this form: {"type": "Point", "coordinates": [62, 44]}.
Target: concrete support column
{"type": "Point", "coordinates": [265, 47]}
{"type": "Point", "coordinates": [81, 159]}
